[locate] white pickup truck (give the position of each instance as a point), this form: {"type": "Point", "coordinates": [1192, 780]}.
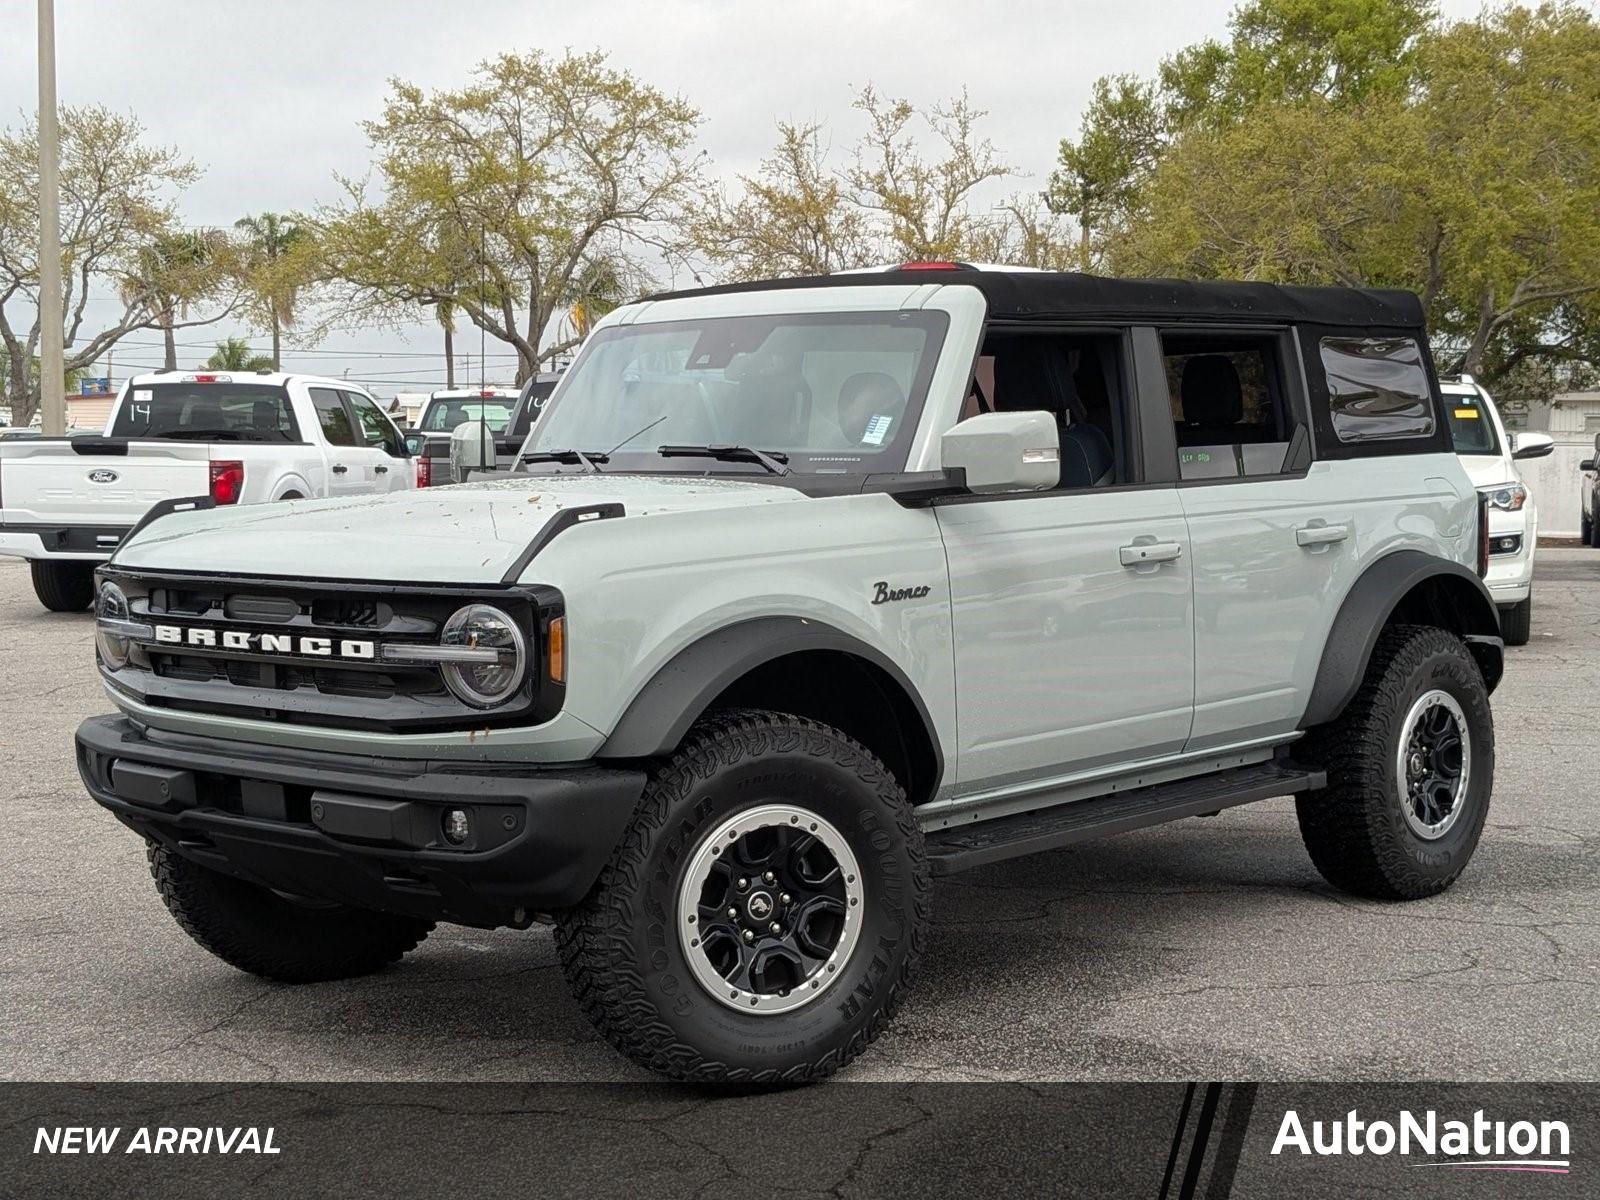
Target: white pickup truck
{"type": "Point", "coordinates": [66, 503]}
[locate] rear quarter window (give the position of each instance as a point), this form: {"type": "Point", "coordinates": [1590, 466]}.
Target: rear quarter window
{"type": "Point", "coordinates": [1378, 389]}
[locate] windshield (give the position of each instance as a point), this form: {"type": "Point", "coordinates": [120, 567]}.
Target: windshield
{"type": "Point", "coordinates": [1470, 427]}
{"type": "Point", "coordinates": [443, 415]}
{"type": "Point", "coordinates": [835, 393]}
{"type": "Point", "coordinates": [222, 412]}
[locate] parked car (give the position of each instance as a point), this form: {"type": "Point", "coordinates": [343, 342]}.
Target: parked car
{"type": "Point", "coordinates": [806, 592]}
{"type": "Point", "coordinates": [1490, 455]}
{"type": "Point", "coordinates": [499, 426]}
{"type": "Point", "coordinates": [66, 504]}
{"type": "Point", "coordinates": [1589, 497]}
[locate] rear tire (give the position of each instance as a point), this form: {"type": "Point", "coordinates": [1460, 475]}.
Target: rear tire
{"type": "Point", "coordinates": [259, 931]}
{"type": "Point", "coordinates": [1585, 528]}
{"type": "Point", "coordinates": [1364, 831]}
{"type": "Point", "coordinates": [1594, 533]}
{"type": "Point", "coordinates": [762, 916]}
{"type": "Point", "coordinates": [1516, 622]}
{"type": "Point", "coordinates": [63, 586]}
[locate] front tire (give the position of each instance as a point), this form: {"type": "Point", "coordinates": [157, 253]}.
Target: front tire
{"type": "Point", "coordinates": [63, 586]}
{"type": "Point", "coordinates": [794, 853]}
{"type": "Point", "coordinates": [1516, 622]}
{"type": "Point", "coordinates": [1410, 767]}
{"type": "Point", "coordinates": [266, 934]}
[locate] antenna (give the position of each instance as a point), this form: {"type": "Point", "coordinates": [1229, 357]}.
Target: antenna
{"type": "Point", "coordinates": [483, 358]}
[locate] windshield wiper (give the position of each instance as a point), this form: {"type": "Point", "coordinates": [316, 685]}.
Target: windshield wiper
{"type": "Point", "coordinates": [773, 461]}
{"type": "Point", "coordinates": [584, 458]}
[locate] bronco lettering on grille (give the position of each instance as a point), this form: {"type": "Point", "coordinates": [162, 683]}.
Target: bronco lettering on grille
{"type": "Point", "coordinates": [265, 643]}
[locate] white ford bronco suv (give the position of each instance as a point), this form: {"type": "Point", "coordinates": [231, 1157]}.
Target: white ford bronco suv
{"type": "Point", "coordinates": [805, 593]}
{"type": "Point", "coordinates": [239, 438]}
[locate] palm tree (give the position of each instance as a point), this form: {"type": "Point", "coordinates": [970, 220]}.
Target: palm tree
{"type": "Point", "coordinates": [234, 354]}
{"type": "Point", "coordinates": [598, 287]}
{"type": "Point", "coordinates": [167, 274]}
{"type": "Point", "coordinates": [269, 238]}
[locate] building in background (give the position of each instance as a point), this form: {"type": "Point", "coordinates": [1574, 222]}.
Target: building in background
{"type": "Point", "coordinates": [90, 406]}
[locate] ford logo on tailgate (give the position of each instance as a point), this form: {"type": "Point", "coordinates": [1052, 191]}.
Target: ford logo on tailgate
{"type": "Point", "coordinates": [102, 476]}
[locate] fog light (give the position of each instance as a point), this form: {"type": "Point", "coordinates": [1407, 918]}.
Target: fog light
{"type": "Point", "coordinates": [457, 826]}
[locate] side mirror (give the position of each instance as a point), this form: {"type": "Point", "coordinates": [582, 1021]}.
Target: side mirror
{"type": "Point", "coordinates": [1531, 445]}
{"type": "Point", "coordinates": [1588, 464]}
{"type": "Point", "coordinates": [1005, 452]}
{"type": "Point", "coordinates": [471, 449]}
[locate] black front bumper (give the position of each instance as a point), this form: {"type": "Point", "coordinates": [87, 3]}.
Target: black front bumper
{"type": "Point", "coordinates": [366, 831]}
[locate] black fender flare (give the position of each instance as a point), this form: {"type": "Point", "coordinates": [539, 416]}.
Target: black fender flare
{"type": "Point", "coordinates": [656, 720]}
{"type": "Point", "coordinates": [1369, 605]}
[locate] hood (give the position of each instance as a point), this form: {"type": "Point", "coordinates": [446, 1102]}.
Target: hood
{"type": "Point", "coordinates": [469, 533]}
{"type": "Point", "coordinates": [1489, 470]}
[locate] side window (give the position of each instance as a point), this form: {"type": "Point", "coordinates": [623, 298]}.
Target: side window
{"type": "Point", "coordinates": [1076, 378]}
{"type": "Point", "coordinates": [1377, 388]}
{"type": "Point", "coordinates": [1230, 408]}
{"type": "Point", "coordinates": [375, 427]}
{"type": "Point", "coordinates": [333, 417]}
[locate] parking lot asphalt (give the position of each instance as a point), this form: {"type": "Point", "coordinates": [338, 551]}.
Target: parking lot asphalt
{"type": "Point", "coordinates": [1205, 949]}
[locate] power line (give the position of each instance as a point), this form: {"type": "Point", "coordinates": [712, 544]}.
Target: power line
{"type": "Point", "coordinates": [313, 353]}
{"type": "Point", "coordinates": [386, 378]}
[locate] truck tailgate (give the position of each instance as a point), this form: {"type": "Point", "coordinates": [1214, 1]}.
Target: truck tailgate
{"type": "Point", "coordinates": [97, 481]}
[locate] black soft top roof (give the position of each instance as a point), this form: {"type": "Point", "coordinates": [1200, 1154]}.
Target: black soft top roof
{"type": "Point", "coordinates": [1067, 294]}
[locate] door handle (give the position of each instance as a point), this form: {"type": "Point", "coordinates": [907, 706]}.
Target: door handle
{"type": "Point", "coordinates": [380, 469]}
{"type": "Point", "coordinates": [1137, 554]}
{"type": "Point", "coordinates": [339, 468]}
{"type": "Point", "coordinates": [1320, 535]}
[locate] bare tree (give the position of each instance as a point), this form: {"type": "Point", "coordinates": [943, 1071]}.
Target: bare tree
{"type": "Point", "coordinates": [116, 205]}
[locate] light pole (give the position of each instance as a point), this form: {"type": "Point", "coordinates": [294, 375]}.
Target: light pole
{"type": "Point", "coordinates": [52, 400]}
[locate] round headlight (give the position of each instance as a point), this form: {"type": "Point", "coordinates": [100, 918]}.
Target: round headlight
{"type": "Point", "coordinates": [492, 681]}
{"type": "Point", "coordinates": [111, 605]}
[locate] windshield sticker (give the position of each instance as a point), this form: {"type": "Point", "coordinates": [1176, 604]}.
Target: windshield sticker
{"type": "Point", "coordinates": [1467, 414]}
{"type": "Point", "coordinates": [877, 430]}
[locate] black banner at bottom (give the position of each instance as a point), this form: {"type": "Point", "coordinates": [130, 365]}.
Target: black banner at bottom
{"type": "Point", "coordinates": [1163, 1141]}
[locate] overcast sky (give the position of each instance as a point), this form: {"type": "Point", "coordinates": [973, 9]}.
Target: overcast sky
{"type": "Point", "coordinates": [268, 98]}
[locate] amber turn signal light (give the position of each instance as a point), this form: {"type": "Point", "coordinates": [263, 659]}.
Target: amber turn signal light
{"type": "Point", "coordinates": [558, 649]}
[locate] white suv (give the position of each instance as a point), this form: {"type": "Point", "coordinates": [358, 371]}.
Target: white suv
{"type": "Point", "coordinates": [1487, 452]}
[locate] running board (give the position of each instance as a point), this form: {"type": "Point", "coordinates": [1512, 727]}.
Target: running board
{"type": "Point", "coordinates": [962, 847]}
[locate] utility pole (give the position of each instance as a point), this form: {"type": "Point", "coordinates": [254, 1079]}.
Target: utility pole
{"type": "Point", "coordinates": [52, 398]}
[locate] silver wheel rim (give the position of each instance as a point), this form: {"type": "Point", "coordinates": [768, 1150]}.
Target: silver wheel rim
{"type": "Point", "coordinates": [1433, 764]}
{"type": "Point", "coordinates": [821, 936]}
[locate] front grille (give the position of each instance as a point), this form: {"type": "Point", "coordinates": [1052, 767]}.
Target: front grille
{"type": "Point", "coordinates": [358, 692]}
{"type": "Point", "coordinates": [332, 681]}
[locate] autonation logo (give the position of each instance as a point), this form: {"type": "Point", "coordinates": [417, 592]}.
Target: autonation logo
{"type": "Point", "coordinates": [1475, 1145]}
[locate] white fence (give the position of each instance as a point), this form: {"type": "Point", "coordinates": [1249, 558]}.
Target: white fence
{"type": "Point", "coordinates": [1573, 420]}
{"type": "Point", "coordinates": [1554, 482]}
